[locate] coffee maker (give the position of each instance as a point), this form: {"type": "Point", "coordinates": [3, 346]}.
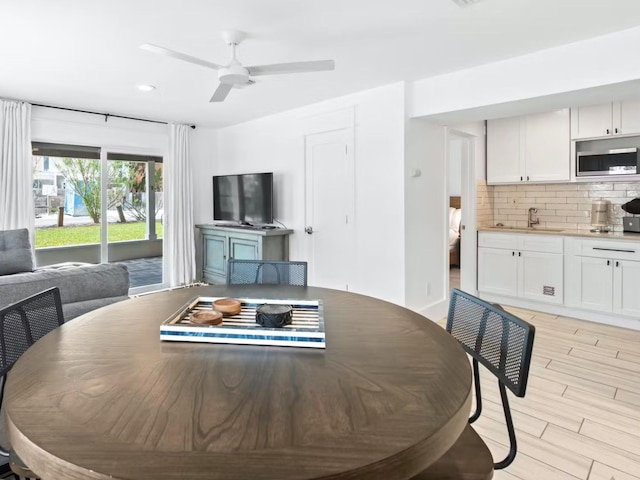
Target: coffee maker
{"type": "Point", "coordinates": [631, 224]}
{"type": "Point", "coordinates": [600, 216]}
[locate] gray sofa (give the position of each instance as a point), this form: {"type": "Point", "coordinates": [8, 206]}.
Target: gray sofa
{"type": "Point", "coordinates": [83, 287]}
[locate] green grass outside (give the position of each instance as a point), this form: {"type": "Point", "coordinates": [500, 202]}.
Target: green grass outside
{"type": "Point", "coordinates": [86, 234]}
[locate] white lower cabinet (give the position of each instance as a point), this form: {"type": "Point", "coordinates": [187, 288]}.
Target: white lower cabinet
{"type": "Point", "coordinates": [540, 276]}
{"type": "Point", "coordinates": [521, 265]}
{"type": "Point", "coordinates": [590, 283]}
{"type": "Point", "coordinates": [497, 271]}
{"type": "Point", "coordinates": [592, 278]}
{"type": "Point", "coordinates": [603, 276]}
{"type": "Point", "coordinates": [626, 294]}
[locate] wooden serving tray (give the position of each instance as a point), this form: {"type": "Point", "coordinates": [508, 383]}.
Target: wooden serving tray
{"type": "Point", "coordinates": [305, 330]}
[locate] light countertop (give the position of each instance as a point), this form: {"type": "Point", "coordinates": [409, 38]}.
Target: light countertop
{"type": "Point", "coordinates": [563, 232]}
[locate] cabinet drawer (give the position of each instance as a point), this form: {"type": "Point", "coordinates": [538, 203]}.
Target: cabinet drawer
{"type": "Point", "coordinates": [609, 249]}
{"type": "Point", "coordinates": [497, 240]}
{"type": "Point", "coordinates": [540, 243]}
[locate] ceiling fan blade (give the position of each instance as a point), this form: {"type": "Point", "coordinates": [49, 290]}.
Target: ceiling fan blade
{"type": "Point", "coordinates": [149, 47]}
{"type": "Point", "coordinates": [295, 67]}
{"type": "Point", "coordinates": [221, 92]}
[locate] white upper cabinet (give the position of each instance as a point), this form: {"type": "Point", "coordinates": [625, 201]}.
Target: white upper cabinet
{"type": "Point", "coordinates": [606, 120]}
{"type": "Point", "coordinates": [547, 149]}
{"type": "Point", "coordinates": [530, 148]}
{"type": "Point", "coordinates": [592, 121]}
{"type": "Point", "coordinates": [629, 117]}
{"type": "Point", "coordinates": [504, 150]}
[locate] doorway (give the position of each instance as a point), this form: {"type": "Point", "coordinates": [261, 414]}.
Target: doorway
{"type": "Point", "coordinates": [329, 209]}
{"type": "Point", "coordinates": [461, 237]}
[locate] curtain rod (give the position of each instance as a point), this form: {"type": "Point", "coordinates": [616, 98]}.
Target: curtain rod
{"type": "Point", "coordinates": [105, 115]}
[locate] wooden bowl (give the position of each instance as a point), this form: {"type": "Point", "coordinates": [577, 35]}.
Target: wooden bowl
{"type": "Point", "coordinates": [206, 317]}
{"type": "Point", "coordinates": [228, 306]}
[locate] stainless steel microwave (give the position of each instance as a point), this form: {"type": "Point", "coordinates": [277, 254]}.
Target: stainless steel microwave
{"type": "Point", "coordinates": [619, 161]}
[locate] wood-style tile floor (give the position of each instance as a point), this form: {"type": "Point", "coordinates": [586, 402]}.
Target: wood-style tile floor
{"type": "Point", "coordinates": [580, 418]}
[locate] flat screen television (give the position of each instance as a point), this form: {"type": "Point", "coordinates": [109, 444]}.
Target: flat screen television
{"type": "Point", "coordinates": [246, 199]}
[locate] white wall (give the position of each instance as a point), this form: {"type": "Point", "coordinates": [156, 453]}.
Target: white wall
{"type": "Point", "coordinates": [477, 131]}
{"type": "Point", "coordinates": [204, 157]}
{"type": "Point", "coordinates": [426, 216]}
{"type": "Point", "coordinates": [74, 128]}
{"type": "Point", "coordinates": [455, 167]}
{"type": "Point", "coordinates": [276, 143]}
{"type": "Point", "coordinates": [581, 65]}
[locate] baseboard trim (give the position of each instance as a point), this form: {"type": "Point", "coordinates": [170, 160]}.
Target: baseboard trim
{"type": "Point", "coordinates": [573, 312]}
{"type": "Point", "coordinates": [434, 311]}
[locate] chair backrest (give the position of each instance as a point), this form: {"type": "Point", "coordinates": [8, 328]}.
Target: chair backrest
{"type": "Point", "coordinates": [25, 322]}
{"type": "Point", "coordinates": [501, 342]}
{"type": "Point", "coordinates": [242, 272]}
{"type": "Point", "coordinates": [21, 325]}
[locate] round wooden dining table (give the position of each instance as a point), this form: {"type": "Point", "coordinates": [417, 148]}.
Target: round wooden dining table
{"type": "Point", "coordinates": [102, 397]}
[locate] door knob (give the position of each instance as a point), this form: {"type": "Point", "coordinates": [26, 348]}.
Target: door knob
{"type": "Point", "coordinates": [309, 230]}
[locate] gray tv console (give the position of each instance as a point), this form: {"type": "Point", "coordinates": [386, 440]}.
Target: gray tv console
{"type": "Point", "coordinates": [220, 243]}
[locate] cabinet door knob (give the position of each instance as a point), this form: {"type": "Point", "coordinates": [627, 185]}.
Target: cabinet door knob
{"type": "Point", "coordinates": [527, 178]}
{"type": "Point", "coordinates": [608, 262]}
{"type": "Point", "coordinates": [615, 130]}
{"type": "Point", "coordinates": [608, 132]}
{"type": "Point", "coordinates": [521, 179]}
{"type": "Point", "coordinates": [309, 230]}
{"type": "Point", "coordinates": [617, 264]}
{"type": "Point", "coordinates": [513, 254]}
{"type": "Point", "coordinates": [519, 254]}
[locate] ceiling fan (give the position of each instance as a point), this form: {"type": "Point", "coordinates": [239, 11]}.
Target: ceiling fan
{"type": "Point", "coordinates": [234, 74]}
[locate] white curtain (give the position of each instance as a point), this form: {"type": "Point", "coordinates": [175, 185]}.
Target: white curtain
{"type": "Point", "coordinates": [16, 176]}
{"type": "Point", "coordinates": [179, 246]}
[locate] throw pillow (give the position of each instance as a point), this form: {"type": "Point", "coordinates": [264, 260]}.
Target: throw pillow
{"type": "Point", "coordinates": [15, 252]}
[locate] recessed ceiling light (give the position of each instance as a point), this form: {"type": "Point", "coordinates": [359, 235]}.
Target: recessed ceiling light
{"type": "Point", "coordinates": [146, 88]}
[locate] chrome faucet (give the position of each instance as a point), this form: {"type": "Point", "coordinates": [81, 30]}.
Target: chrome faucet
{"type": "Point", "coordinates": [533, 220]}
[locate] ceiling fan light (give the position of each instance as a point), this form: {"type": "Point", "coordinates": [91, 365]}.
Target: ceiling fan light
{"type": "Point", "coordinates": [233, 75]}
{"type": "Point", "coordinates": [465, 3]}
{"type": "Point", "coordinates": [146, 88]}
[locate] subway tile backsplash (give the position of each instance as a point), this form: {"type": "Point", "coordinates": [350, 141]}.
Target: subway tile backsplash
{"type": "Point", "coordinates": [565, 206]}
{"type": "Point", "coordinates": [484, 204]}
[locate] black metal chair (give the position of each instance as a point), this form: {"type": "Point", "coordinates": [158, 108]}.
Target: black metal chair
{"type": "Point", "coordinates": [266, 272]}
{"type": "Point", "coordinates": [21, 325]}
{"type": "Point", "coordinates": [503, 344]}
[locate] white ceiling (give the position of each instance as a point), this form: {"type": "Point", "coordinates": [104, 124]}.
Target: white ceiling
{"type": "Point", "coordinates": [84, 54]}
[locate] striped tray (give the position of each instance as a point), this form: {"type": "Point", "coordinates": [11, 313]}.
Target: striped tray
{"type": "Point", "coordinates": [306, 329]}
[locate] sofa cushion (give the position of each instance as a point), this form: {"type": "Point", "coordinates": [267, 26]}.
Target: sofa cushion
{"type": "Point", "coordinates": [15, 252]}
{"type": "Point", "coordinates": [86, 282]}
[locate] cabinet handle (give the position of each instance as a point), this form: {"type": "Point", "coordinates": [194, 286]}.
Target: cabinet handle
{"type": "Point", "coordinates": [608, 262]}
{"type": "Point", "coordinates": [608, 132]}
{"type": "Point", "coordinates": [617, 264]}
{"type": "Point", "coordinates": [527, 178]}
{"type": "Point", "coordinates": [615, 130]}
{"type": "Point", "coordinates": [513, 254]}
{"type": "Point", "coordinates": [614, 249]}
{"type": "Point", "coordinates": [520, 178]}
{"type": "Point", "coordinates": [519, 254]}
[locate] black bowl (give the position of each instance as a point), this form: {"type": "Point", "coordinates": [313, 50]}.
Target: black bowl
{"type": "Point", "coordinates": [274, 316]}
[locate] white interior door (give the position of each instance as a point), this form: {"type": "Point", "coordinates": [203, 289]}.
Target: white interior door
{"type": "Point", "coordinates": [330, 192]}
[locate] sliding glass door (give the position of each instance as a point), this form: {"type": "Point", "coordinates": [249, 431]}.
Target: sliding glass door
{"type": "Point", "coordinates": [98, 206]}
{"type": "Point", "coordinates": [68, 208]}
{"type": "Point", "coordinates": [134, 229]}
